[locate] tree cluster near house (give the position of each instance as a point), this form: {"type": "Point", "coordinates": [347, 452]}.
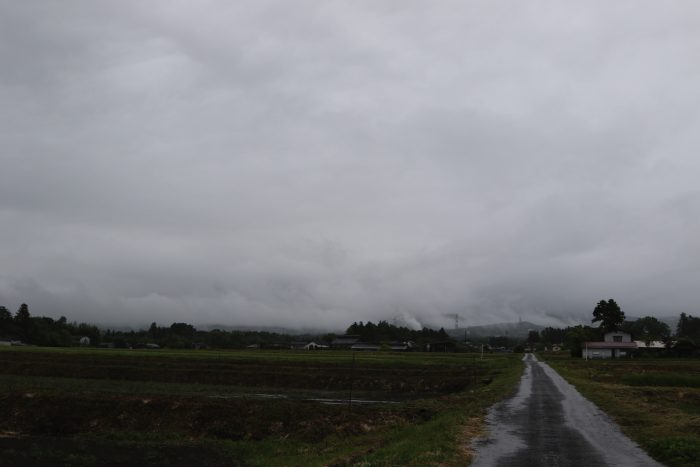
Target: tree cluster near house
{"type": "Point", "coordinates": [609, 314]}
{"type": "Point", "coordinates": [647, 329]}
{"type": "Point", "coordinates": [655, 336]}
{"type": "Point", "coordinates": [649, 332]}
{"type": "Point", "coordinates": [44, 331]}
{"type": "Point", "coordinates": [689, 327]}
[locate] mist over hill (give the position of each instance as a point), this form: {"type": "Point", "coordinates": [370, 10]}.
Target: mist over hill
{"type": "Point", "coordinates": [517, 329]}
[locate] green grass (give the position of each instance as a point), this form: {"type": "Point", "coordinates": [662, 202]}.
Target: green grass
{"type": "Point", "coordinates": [77, 405]}
{"type": "Point", "coordinates": [655, 401]}
{"type": "Point", "coordinates": [667, 380]}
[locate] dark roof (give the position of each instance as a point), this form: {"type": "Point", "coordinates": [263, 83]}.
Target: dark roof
{"type": "Point", "coordinates": [345, 340]}
{"type": "Point", "coordinates": [365, 346]}
{"type": "Point", "coordinates": [611, 345]}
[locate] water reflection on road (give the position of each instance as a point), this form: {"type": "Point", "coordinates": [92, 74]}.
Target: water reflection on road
{"type": "Point", "coordinates": [549, 423]}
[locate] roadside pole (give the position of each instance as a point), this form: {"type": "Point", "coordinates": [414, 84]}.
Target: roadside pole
{"type": "Point", "coordinates": [352, 379]}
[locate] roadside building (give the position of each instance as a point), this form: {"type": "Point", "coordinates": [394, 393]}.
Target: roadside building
{"type": "Point", "coordinates": [345, 342]}
{"type": "Point", "coordinates": [615, 344]}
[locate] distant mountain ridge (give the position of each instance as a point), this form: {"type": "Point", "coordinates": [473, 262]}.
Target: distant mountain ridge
{"type": "Point", "coordinates": [519, 329]}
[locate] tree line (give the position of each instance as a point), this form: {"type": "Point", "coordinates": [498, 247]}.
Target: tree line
{"type": "Point", "coordinates": [383, 331]}
{"type": "Point", "coordinates": [45, 331]}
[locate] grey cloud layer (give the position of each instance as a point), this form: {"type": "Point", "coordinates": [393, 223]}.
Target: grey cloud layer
{"type": "Point", "coordinates": [316, 163]}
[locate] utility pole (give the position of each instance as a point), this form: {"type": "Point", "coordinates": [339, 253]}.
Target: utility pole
{"type": "Point", "coordinates": [352, 379]}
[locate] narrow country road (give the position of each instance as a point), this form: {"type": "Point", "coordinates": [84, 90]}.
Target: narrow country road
{"type": "Point", "coordinates": [549, 423]}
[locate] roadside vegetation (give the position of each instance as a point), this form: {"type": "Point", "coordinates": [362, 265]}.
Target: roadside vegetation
{"type": "Point", "coordinates": [73, 406]}
{"type": "Point", "coordinates": [655, 401]}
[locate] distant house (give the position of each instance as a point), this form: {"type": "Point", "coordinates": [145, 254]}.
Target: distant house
{"type": "Point", "coordinates": [141, 345]}
{"type": "Point", "coordinates": [85, 340]}
{"type": "Point", "coordinates": [315, 346]}
{"type": "Point", "coordinates": [345, 342]}
{"type": "Point", "coordinates": [614, 345]}
{"type": "Point", "coordinates": [305, 345]}
{"type": "Point", "coordinates": [441, 346]}
{"type": "Point", "coordinates": [364, 346]}
{"type": "Point", "coordinates": [401, 346]}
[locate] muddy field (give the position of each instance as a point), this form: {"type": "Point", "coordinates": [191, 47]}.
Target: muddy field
{"type": "Point", "coordinates": [292, 370]}
{"type": "Point", "coordinates": [72, 407]}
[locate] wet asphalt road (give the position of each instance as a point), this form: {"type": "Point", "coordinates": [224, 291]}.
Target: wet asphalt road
{"type": "Point", "coordinates": [549, 423]}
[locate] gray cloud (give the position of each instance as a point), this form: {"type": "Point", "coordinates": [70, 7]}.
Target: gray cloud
{"type": "Point", "coordinates": [316, 163]}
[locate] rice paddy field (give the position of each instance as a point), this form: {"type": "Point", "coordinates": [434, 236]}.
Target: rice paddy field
{"type": "Point", "coordinates": [80, 406]}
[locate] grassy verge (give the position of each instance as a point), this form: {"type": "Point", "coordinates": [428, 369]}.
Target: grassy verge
{"type": "Point", "coordinates": [69, 407]}
{"type": "Point", "coordinates": [656, 402]}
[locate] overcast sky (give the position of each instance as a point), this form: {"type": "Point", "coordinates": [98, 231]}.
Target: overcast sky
{"type": "Point", "coordinates": [314, 163]}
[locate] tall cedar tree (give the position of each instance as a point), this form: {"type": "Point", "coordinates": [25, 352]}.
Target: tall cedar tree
{"type": "Point", "coordinates": [609, 314]}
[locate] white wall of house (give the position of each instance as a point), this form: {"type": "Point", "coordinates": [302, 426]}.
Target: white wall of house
{"type": "Point", "coordinates": [597, 353]}
{"type": "Point", "coordinates": [604, 353]}
{"type": "Point", "coordinates": [617, 337]}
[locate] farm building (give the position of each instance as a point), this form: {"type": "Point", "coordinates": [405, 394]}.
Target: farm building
{"type": "Point", "coordinates": [401, 346]}
{"type": "Point", "coordinates": [650, 345]}
{"type": "Point", "coordinates": [441, 346]}
{"type": "Point", "coordinates": [345, 342]}
{"type": "Point", "coordinates": [305, 345]}
{"type": "Point", "coordinates": [365, 346]}
{"type": "Point", "coordinates": [614, 345]}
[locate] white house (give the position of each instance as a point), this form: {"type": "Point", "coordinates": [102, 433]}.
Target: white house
{"type": "Point", "coordinates": [615, 344]}
{"type": "Point", "coordinates": [315, 346]}
{"type": "Point", "coordinates": [650, 345]}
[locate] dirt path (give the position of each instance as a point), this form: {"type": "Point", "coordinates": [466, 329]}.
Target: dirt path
{"type": "Point", "coordinates": [549, 423]}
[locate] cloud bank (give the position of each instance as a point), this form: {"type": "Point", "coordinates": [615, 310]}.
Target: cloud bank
{"type": "Point", "coordinates": [314, 163]}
